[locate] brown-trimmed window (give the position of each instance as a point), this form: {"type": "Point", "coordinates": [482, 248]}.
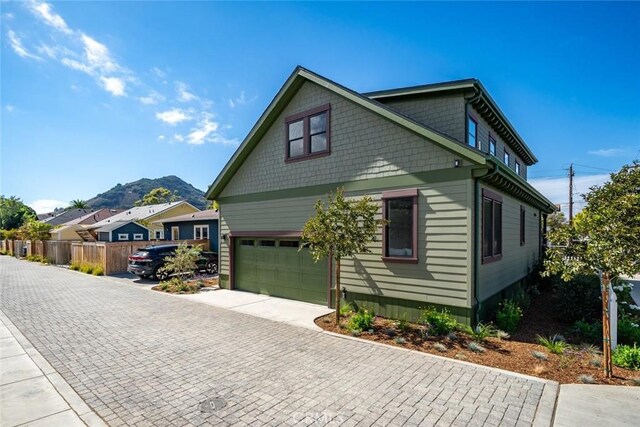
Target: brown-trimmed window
{"type": "Point", "coordinates": [522, 225]}
{"type": "Point", "coordinates": [400, 234]}
{"type": "Point", "coordinates": [308, 134]}
{"type": "Point", "coordinates": [472, 132]}
{"type": "Point", "coordinates": [491, 226]}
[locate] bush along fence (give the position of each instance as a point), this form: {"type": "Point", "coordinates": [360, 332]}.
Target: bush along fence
{"type": "Point", "coordinates": [111, 256]}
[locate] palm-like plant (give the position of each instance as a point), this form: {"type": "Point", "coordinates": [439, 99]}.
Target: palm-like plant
{"type": "Point", "coordinates": [78, 204]}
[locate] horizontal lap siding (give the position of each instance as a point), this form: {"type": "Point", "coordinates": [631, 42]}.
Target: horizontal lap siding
{"type": "Point", "coordinates": [517, 261]}
{"type": "Point", "coordinates": [442, 273]}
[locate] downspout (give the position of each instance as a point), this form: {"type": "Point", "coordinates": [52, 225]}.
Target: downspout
{"type": "Point", "coordinates": [476, 245]}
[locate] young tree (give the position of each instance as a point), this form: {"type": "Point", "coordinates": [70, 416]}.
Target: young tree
{"type": "Point", "coordinates": [157, 196]}
{"type": "Point", "coordinates": [184, 261]}
{"type": "Point", "coordinates": [341, 229]}
{"type": "Point", "coordinates": [604, 238]}
{"type": "Point", "coordinates": [14, 213]}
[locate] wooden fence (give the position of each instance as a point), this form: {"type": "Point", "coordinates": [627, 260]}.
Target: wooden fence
{"type": "Point", "coordinates": [55, 251]}
{"type": "Point", "coordinates": [113, 256]}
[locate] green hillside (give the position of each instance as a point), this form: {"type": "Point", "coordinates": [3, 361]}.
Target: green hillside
{"type": "Point", "coordinates": [124, 196]}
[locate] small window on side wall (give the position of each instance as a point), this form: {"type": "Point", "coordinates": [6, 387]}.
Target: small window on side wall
{"type": "Point", "coordinates": [491, 226]}
{"type": "Point", "coordinates": [123, 236]}
{"type": "Point", "coordinates": [400, 233]}
{"type": "Point", "coordinates": [505, 157]}
{"type": "Point", "coordinates": [138, 236]}
{"type": "Point", "coordinates": [492, 146]}
{"type": "Point", "coordinates": [517, 167]}
{"type": "Point", "coordinates": [308, 134]}
{"type": "Point", "coordinates": [472, 132]}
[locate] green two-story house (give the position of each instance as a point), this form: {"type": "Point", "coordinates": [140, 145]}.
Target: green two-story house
{"type": "Point", "coordinates": [443, 163]}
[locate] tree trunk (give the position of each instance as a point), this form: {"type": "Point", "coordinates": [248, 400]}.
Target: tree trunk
{"type": "Point", "coordinates": [337, 298]}
{"type": "Point", "coordinates": [606, 325]}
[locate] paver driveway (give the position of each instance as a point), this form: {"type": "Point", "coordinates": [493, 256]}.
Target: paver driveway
{"type": "Point", "coordinates": [140, 357]}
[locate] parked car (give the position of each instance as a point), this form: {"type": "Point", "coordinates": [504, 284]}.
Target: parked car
{"type": "Point", "coordinates": [147, 262]}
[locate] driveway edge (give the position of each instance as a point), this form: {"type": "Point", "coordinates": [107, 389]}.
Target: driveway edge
{"type": "Point", "coordinates": [77, 404]}
{"type": "Point", "coordinates": [547, 406]}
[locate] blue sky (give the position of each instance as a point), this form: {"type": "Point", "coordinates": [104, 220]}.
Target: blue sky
{"type": "Point", "coordinates": [99, 93]}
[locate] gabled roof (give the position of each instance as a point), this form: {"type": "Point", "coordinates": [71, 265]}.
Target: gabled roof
{"type": "Point", "coordinates": [115, 225]}
{"type": "Point", "coordinates": [287, 92]}
{"type": "Point", "coordinates": [209, 214]}
{"type": "Point", "coordinates": [66, 216]}
{"type": "Point", "coordinates": [479, 98]}
{"type": "Point", "coordinates": [139, 213]}
{"type": "Point", "coordinates": [95, 216]}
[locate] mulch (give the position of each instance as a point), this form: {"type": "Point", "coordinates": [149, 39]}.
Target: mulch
{"type": "Point", "coordinates": [515, 354]}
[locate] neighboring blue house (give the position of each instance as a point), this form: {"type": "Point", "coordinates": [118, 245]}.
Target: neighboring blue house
{"type": "Point", "coordinates": [122, 231]}
{"type": "Point", "coordinates": [193, 226]}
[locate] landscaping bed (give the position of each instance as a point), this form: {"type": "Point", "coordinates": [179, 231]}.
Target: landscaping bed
{"type": "Point", "coordinates": [192, 285]}
{"type": "Point", "coordinates": [521, 353]}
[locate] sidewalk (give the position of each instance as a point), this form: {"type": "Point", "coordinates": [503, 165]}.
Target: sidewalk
{"type": "Point", "coordinates": [32, 393]}
{"type": "Point", "coordinates": [597, 405]}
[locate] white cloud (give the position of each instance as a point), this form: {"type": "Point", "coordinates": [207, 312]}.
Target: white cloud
{"type": "Point", "coordinates": [183, 93]}
{"type": "Point", "coordinates": [10, 108]}
{"type": "Point", "coordinates": [113, 85]}
{"type": "Point", "coordinates": [45, 12]}
{"type": "Point", "coordinates": [198, 135]}
{"type": "Point", "coordinates": [8, 16]}
{"type": "Point", "coordinates": [173, 117]}
{"type": "Point", "coordinates": [177, 137]}
{"type": "Point", "coordinates": [46, 205]}
{"type": "Point", "coordinates": [18, 48]}
{"type": "Point", "coordinates": [98, 56]}
{"type": "Point", "coordinates": [151, 99]}
{"type": "Point", "coordinates": [160, 137]}
{"type": "Point", "coordinates": [240, 100]}
{"type": "Point", "coordinates": [158, 72]}
{"type": "Point", "coordinates": [609, 152]}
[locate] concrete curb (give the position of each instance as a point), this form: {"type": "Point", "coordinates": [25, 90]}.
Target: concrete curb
{"type": "Point", "coordinates": [77, 404]}
{"type": "Point", "coordinates": [547, 405]}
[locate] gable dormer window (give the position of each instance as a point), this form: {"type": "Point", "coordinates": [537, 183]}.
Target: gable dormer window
{"type": "Point", "coordinates": [308, 134]}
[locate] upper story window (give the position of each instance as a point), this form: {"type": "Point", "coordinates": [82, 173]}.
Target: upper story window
{"type": "Point", "coordinates": [492, 146]}
{"type": "Point", "coordinates": [491, 226]}
{"type": "Point", "coordinates": [505, 157]}
{"type": "Point", "coordinates": [308, 134]}
{"type": "Point", "coordinates": [472, 135]}
{"type": "Point", "coordinates": [400, 234]}
{"type": "Point", "coordinates": [517, 167]}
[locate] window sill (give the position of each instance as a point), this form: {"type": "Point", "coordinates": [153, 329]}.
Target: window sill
{"type": "Point", "coordinates": [490, 259]}
{"type": "Point", "coordinates": [400, 260]}
{"type": "Point", "coordinates": [307, 157]}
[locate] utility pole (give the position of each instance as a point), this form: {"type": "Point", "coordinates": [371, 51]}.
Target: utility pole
{"type": "Point", "coordinates": [571, 175]}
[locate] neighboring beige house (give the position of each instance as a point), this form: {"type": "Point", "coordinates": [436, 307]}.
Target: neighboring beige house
{"type": "Point", "coordinates": [67, 230]}
{"type": "Point", "coordinates": [464, 226]}
{"type": "Point", "coordinates": [143, 214]}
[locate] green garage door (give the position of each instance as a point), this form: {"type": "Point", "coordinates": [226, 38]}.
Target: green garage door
{"type": "Point", "coordinates": [275, 267]}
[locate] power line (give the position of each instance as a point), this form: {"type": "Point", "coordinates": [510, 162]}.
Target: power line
{"type": "Point", "coordinates": [592, 167]}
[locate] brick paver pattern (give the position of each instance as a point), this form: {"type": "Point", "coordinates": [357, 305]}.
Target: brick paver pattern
{"type": "Point", "coordinates": [140, 357]}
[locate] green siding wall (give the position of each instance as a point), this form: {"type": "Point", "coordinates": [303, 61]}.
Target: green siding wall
{"type": "Point", "coordinates": [363, 146]}
{"type": "Point", "coordinates": [442, 274]}
{"type": "Point", "coordinates": [517, 261]}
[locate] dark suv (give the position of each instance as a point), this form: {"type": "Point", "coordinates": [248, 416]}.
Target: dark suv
{"type": "Point", "coordinates": [147, 262]}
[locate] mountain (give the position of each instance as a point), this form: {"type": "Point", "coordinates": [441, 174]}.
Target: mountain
{"type": "Point", "coordinates": [124, 196]}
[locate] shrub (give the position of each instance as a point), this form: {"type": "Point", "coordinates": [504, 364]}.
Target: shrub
{"type": "Point", "coordinates": [400, 340]}
{"type": "Point", "coordinates": [502, 335]}
{"type": "Point", "coordinates": [539, 355]}
{"type": "Point", "coordinates": [626, 356]}
{"type": "Point", "coordinates": [481, 331]}
{"type": "Point", "coordinates": [183, 262]}
{"type": "Point", "coordinates": [346, 309]}
{"type": "Point", "coordinates": [176, 285]}
{"type": "Point", "coordinates": [586, 379]}
{"type": "Point", "coordinates": [98, 270]}
{"type": "Point", "coordinates": [554, 344]}
{"type": "Point", "coordinates": [586, 332]}
{"type": "Point", "coordinates": [440, 322]}
{"type": "Point", "coordinates": [440, 347]}
{"type": "Point", "coordinates": [508, 316]}
{"type": "Point", "coordinates": [86, 268]}
{"type": "Point", "coordinates": [452, 336]}
{"type": "Point", "coordinates": [475, 347]}
{"type": "Point", "coordinates": [595, 361]}
{"type": "Point", "coordinates": [628, 331]}
{"type": "Point", "coordinates": [75, 266]}
{"type": "Point", "coordinates": [362, 320]}
{"type": "Point", "coordinates": [403, 324]}
{"type": "Point", "coordinates": [37, 258]}
{"type": "Point", "coordinates": [578, 299]}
